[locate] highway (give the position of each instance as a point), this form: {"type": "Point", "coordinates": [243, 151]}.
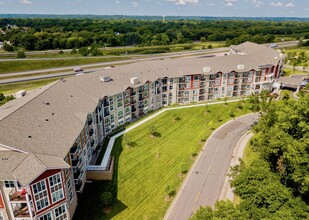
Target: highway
{"type": "Point", "coordinates": [203, 184]}
{"type": "Point", "coordinates": [67, 71]}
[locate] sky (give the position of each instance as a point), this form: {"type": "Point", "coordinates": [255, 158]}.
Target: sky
{"type": "Point", "coordinates": [222, 8]}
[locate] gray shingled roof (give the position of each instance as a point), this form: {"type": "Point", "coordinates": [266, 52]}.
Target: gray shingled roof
{"type": "Point", "coordinates": [50, 122]}
{"type": "Point", "coordinates": [9, 160]}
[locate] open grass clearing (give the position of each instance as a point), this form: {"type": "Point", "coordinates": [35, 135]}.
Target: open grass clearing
{"type": "Point", "coordinates": [289, 72]}
{"type": "Point", "coordinates": [25, 65]}
{"type": "Point", "coordinates": [12, 88]}
{"type": "Point", "coordinates": [143, 171]}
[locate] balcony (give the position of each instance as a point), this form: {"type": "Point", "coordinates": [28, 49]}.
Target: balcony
{"type": "Point", "coordinates": [91, 132]}
{"type": "Point", "coordinates": [90, 121]}
{"type": "Point", "coordinates": [21, 195]}
{"type": "Point", "coordinates": [75, 162]}
{"type": "Point", "coordinates": [21, 211]}
{"type": "Point", "coordinates": [73, 150]}
{"type": "Point", "coordinates": [105, 103]}
{"type": "Point", "coordinates": [106, 113]}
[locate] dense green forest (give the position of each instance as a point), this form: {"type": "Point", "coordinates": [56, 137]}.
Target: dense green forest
{"type": "Point", "coordinates": [275, 185]}
{"type": "Point", "coordinates": [57, 33]}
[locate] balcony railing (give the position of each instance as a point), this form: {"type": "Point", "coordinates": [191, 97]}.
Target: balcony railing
{"type": "Point", "coordinates": [22, 211]}
{"type": "Point", "coordinates": [16, 195]}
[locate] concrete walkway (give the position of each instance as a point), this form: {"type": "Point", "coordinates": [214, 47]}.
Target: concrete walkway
{"type": "Point", "coordinates": [205, 181]}
{"type": "Point", "coordinates": [104, 164]}
{"type": "Point", "coordinates": [227, 191]}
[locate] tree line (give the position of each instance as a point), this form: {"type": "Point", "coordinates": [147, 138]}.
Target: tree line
{"type": "Point", "coordinates": [275, 184]}
{"type": "Point", "coordinates": [56, 33]}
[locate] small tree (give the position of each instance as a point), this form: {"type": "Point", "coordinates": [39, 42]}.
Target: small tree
{"type": "Point", "coordinates": [96, 52]}
{"type": "Point", "coordinates": [84, 51]}
{"type": "Point", "coordinates": [106, 198]}
{"type": "Point", "coordinates": [61, 52]}
{"type": "Point", "coordinates": [74, 51]}
{"type": "Point", "coordinates": [21, 54]}
{"type": "Point", "coordinates": [8, 47]}
{"type": "Point", "coordinates": [210, 46]}
{"type": "Point", "coordinates": [225, 100]}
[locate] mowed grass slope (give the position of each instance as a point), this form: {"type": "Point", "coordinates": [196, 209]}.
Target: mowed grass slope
{"type": "Point", "coordinates": [143, 171]}
{"type": "Point", "coordinates": [27, 65]}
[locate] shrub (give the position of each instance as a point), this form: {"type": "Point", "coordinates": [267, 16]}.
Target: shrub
{"type": "Point", "coordinates": [21, 54]}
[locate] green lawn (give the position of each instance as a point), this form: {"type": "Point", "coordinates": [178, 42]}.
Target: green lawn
{"type": "Point", "coordinates": [143, 171]}
{"type": "Point", "coordinates": [289, 72]}
{"type": "Point", "coordinates": [14, 87]}
{"type": "Point", "coordinates": [24, 65]}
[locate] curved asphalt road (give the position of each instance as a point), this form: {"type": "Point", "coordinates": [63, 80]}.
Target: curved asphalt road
{"type": "Point", "coordinates": [204, 183]}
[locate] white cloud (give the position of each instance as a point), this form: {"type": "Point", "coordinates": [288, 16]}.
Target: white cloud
{"type": "Point", "coordinates": [290, 5]}
{"type": "Point", "coordinates": [280, 4]}
{"type": "Point", "coordinates": [135, 4]}
{"type": "Point", "coordinates": [210, 4]}
{"type": "Point", "coordinates": [117, 2]}
{"type": "Point", "coordinates": [276, 4]}
{"type": "Point", "coordinates": [183, 2]}
{"type": "Point", "coordinates": [25, 2]}
{"type": "Point", "coordinates": [257, 3]}
{"type": "Point", "coordinates": [230, 3]}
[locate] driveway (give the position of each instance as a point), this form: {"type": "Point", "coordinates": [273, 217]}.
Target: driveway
{"type": "Point", "coordinates": [204, 182]}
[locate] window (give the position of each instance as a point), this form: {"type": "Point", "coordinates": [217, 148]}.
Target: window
{"type": "Point", "coordinates": [69, 185]}
{"type": "Point", "coordinates": [188, 85]}
{"type": "Point", "coordinates": [196, 84]}
{"type": "Point", "coordinates": [40, 195]}
{"type": "Point", "coordinates": [9, 184]}
{"type": "Point", "coordinates": [127, 110]}
{"type": "Point", "coordinates": [56, 187]}
{"type": "Point", "coordinates": [188, 78]}
{"type": "Point", "coordinates": [231, 75]}
{"type": "Point", "coordinates": [47, 216]}
{"type": "Point", "coordinates": [60, 213]}
{"type": "Point", "coordinates": [120, 114]}
{"type": "Point", "coordinates": [119, 97]}
{"type": "Point", "coordinates": [196, 77]}
{"type": "Point", "coordinates": [195, 92]}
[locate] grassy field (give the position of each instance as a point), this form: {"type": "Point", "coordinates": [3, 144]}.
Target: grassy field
{"type": "Point", "coordinates": [24, 65]}
{"type": "Point", "coordinates": [289, 72]}
{"type": "Point", "coordinates": [124, 50]}
{"type": "Point", "coordinates": [143, 171]}
{"type": "Point", "coordinates": [14, 87]}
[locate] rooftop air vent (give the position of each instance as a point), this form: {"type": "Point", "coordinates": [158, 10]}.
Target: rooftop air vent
{"type": "Point", "coordinates": [241, 67]}
{"type": "Point", "coordinates": [207, 69]}
{"type": "Point", "coordinates": [134, 80]}
{"type": "Point", "coordinates": [104, 78]}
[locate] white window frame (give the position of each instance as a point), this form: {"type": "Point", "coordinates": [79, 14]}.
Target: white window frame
{"type": "Point", "coordinates": [9, 184]}
{"type": "Point", "coordinates": [70, 190]}
{"type": "Point", "coordinates": [43, 199]}
{"type": "Point", "coordinates": [64, 212]}
{"type": "Point", "coordinates": [46, 217]}
{"type": "Point", "coordinates": [58, 193]}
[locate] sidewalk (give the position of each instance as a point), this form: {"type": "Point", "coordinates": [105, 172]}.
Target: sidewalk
{"type": "Point", "coordinates": [227, 191]}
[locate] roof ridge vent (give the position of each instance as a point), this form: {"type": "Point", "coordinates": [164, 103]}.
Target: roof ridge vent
{"type": "Point", "coordinates": [104, 78]}
{"type": "Point", "coordinates": [241, 67]}
{"type": "Point", "coordinates": [207, 69]}
{"type": "Point", "coordinates": [134, 80]}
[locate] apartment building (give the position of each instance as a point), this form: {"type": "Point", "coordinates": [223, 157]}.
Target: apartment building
{"type": "Point", "coordinates": [50, 137]}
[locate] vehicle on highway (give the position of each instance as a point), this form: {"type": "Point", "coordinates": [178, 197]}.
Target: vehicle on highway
{"type": "Point", "coordinates": [78, 69]}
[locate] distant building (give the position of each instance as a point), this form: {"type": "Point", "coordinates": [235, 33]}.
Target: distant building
{"type": "Point", "coordinates": [49, 140]}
